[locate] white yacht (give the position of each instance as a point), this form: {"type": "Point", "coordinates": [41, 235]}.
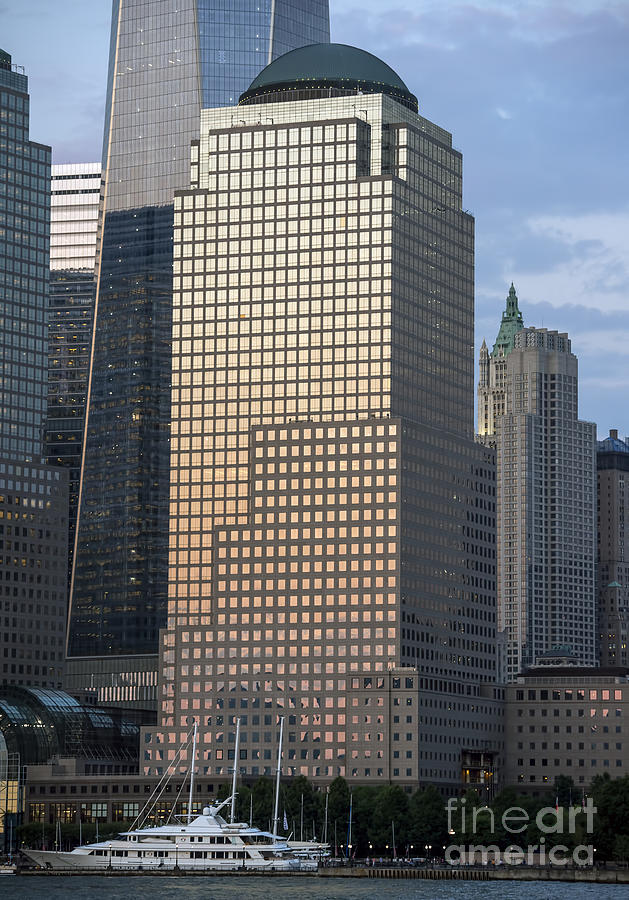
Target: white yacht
{"type": "Point", "coordinates": [207, 843]}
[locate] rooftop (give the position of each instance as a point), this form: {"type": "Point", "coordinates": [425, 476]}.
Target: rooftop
{"type": "Point", "coordinates": [331, 68]}
{"type": "Point", "coordinates": [613, 444]}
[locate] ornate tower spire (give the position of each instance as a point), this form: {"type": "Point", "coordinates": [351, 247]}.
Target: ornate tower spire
{"type": "Point", "coordinates": [512, 322]}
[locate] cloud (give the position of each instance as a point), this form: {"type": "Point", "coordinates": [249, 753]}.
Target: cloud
{"type": "Point", "coordinates": [605, 342]}
{"type": "Point", "coordinates": [593, 270]}
{"type": "Point", "coordinates": [448, 26]}
{"type": "Point", "coordinates": [503, 113]}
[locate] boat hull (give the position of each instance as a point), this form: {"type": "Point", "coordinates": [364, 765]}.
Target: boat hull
{"type": "Point", "coordinates": [50, 859]}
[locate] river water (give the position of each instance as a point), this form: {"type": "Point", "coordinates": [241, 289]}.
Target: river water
{"type": "Point", "coordinates": [146, 887]}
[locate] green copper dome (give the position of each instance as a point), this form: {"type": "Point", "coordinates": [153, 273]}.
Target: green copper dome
{"type": "Point", "coordinates": [326, 70]}
{"type": "Point", "coordinates": [512, 322]}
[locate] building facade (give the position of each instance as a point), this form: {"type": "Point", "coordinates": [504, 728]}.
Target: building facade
{"type": "Point", "coordinates": [75, 193]}
{"type": "Point", "coordinates": [24, 257]}
{"type": "Point", "coordinates": [612, 463]}
{"type": "Point", "coordinates": [163, 68]}
{"type": "Point", "coordinates": [569, 720]}
{"type": "Point", "coordinates": [492, 383]}
{"type": "Point", "coordinates": [332, 553]}
{"type": "Point", "coordinates": [34, 585]}
{"type": "Point", "coordinates": [546, 497]}
{"type": "Point", "coordinates": [33, 496]}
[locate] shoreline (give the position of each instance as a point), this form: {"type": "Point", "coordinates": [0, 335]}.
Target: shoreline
{"type": "Point", "coordinates": [500, 873]}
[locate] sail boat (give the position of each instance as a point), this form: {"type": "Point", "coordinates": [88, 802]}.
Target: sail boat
{"type": "Point", "coordinates": [207, 842]}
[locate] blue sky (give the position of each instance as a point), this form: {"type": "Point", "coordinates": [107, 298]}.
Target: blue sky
{"type": "Point", "coordinates": [536, 95]}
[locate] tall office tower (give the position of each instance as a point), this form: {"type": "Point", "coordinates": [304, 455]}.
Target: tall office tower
{"type": "Point", "coordinates": [612, 463]}
{"type": "Point", "coordinates": [168, 59]}
{"type": "Point", "coordinates": [24, 253]}
{"type": "Point", "coordinates": [546, 501]}
{"type": "Point", "coordinates": [332, 554]}
{"type": "Point", "coordinates": [33, 497]}
{"type": "Point", "coordinates": [493, 371]}
{"type": "Point", "coordinates": [75, 193]}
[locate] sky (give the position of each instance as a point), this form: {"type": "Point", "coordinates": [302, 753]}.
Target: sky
{"type": "Point", "coordinates": [536, 96]}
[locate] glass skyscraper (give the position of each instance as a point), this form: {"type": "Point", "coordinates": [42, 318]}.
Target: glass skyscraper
{"type": "Point", "coordinates": [167, 60]}
{"type": "Point", "coordinates": [24, 251]}
{"type": "Point", "coordinates": [33, 496]}
{"type": "Point", "coordinates": [75, 193]}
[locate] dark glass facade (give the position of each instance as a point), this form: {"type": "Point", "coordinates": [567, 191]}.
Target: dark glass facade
{"type": "Point", "coordinates": [33, 497]}
{"type": "Point", "coordinates": [71, 308]}
{"type": "Point", "coordinates": [154, 99]}
{"type": "Point", "coordinates": [24, 249]}
{"type": "Point", "coordinates": [120, 578]}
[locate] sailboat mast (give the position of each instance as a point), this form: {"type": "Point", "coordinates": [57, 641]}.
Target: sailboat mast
{"type": "Point", "coordinates": [277, 779]}
{"type": "Point", "coordinates": [236, 751]}
{"type": "Point", "coordinates": [194, 754]}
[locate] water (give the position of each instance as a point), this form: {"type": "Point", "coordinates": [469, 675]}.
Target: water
{"type": "Point", "coordinates": [146, 887]}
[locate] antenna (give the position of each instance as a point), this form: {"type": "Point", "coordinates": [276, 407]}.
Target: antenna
{"type": "Point", "coordinates": [277, 778]}
{"type": "Point", "coordinates": [194, 753]}
{"type": "Point", "coordinates": [233, 797]}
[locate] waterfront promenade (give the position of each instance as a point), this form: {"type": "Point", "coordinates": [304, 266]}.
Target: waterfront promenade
{"type": "Point", "coordinates": [581, 875]}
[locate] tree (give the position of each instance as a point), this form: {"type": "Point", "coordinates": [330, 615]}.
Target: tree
{"type": "Point", "coordinates": [338, 809]}
{"type": "Point", "coordinates": [390, 813]}
{"type": "Point", "coordinates": [621, 848]}
{"type": "Point", "coordinates": [263, 802]}
{"type": "Point", "coordinates": [428, 822]}
{"type": "Point", "coordinates": [611, 799]}
{"type": "Point", "coordinates": [292, 798]}
{"type": "Point", "coordinates": [565, 790]}
{"type": "Point", "coordinates": [363, 802]}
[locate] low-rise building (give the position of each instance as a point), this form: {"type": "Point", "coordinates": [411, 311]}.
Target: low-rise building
{"type": "Point", "coordinates": [566, 720]}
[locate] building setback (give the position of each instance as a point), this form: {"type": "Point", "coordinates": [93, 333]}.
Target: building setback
{"type": "Point", "coordinates": [546, 496]}
{"type": "Point", "coordinates": [612, 462]}
{"type": "Point", "coordinates": [165, 64]}
{"type": "Point", "coordinates": [332, 520]}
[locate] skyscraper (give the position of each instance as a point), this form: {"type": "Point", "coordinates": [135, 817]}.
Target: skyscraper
{"type": "Point", "coordinates": [545, 455]}
{"type": "Point", "coordinates": [492, 384]}
{"type": "Point", "coordinates": [75, 193]}
{"type": "Point", "coordinates": [24, 272]}
{"type": "Point", "coordinates": [33, 497]}
{"type": "Point", "coordinates": [332, 520]}
{"type": "Point", "coordinates": [612, 463]}
{"type": "Point", "coordinates": [167, 60]}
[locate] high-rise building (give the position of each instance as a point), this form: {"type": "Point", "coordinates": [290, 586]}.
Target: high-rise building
{"type": "Point", "coordinates": [612, 462]}
{"type": "Point", "coordinates": [546, 494]}
{"type": "Point", "coordinates": [332, 555]}
{"type": "Point", "coordinates": [168, 59]}
{"type": "Point", "coordinates": [33, 496]}
{"type": "Point", "coordinates": [75, 193]}
{"type": "Point", "coordinates": [492, 384]}
{"type": "Point", "coordinates": [24, 254]}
